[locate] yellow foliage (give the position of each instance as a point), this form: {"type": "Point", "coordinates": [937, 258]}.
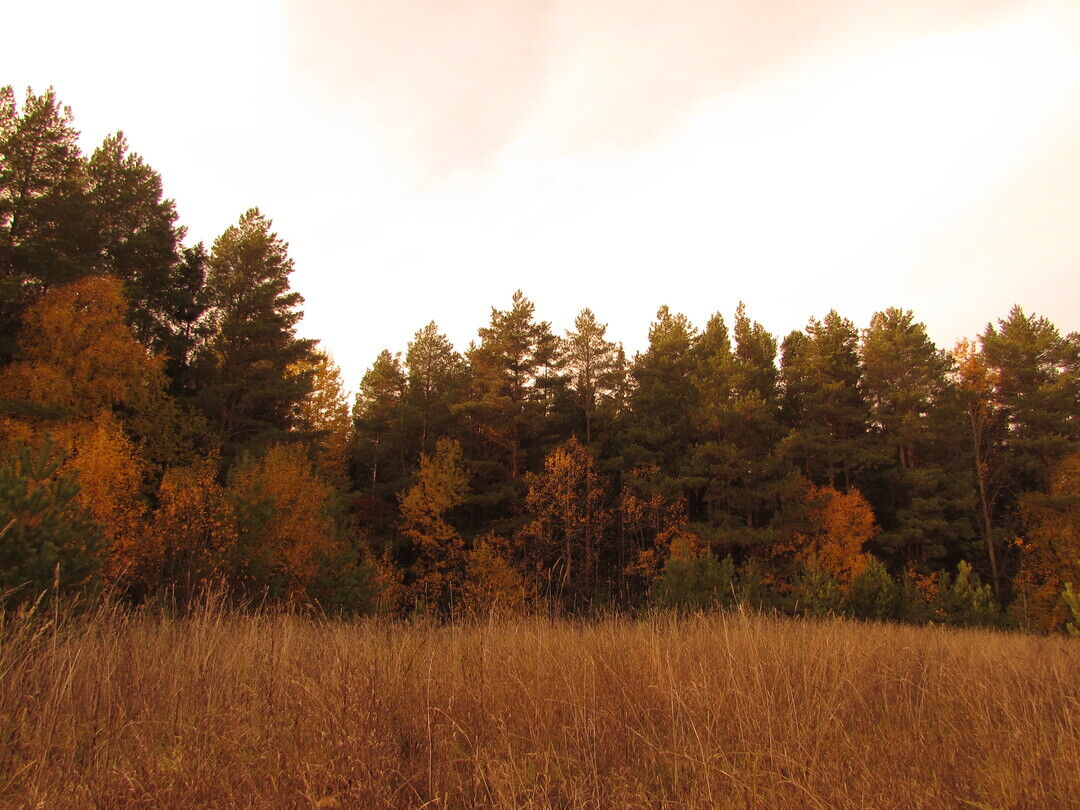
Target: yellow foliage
{"type": "Point", "coordinates": [391, 593]}
{"type": "Point", "coordinates": [492, 585]}
{"type": "Point", "coordinates": [843, 523]}
{"type": "Point", "coordinates": [110, 476]}
{"type": "Point", "coordinates": [1051, 547]}
{"type": "Point", "coordinates": [441, 484]}
{"type": "Point", "coordinates": [569, 523]}
{"type": "Point", "coordinates": [653, 527]}
{"type": "Point", "coordinates": [194, 523]}
{"type": "Point", "coordinates": [296, 524]}
{"type": "Point", "coordinates": [80, 354]}
{"type": "Point", "coordinates": [325, 410]}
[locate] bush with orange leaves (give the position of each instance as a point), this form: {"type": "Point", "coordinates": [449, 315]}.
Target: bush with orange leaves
{"type": "Point", "coordinates": [840, 526]}
{"type": "Point", "coordinates": [285, 523]}
{"type": "Point", "coordinates": [492, 585]}
{"type": "Point", "coordinates": [1050, 549]}
{"type": "Point", "coordinates": [193, 528]}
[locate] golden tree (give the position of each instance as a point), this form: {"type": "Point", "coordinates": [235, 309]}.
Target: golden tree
{"type": "Point", "coordinates": [110, 476]}
{"type": "Point", "coordinates": [79, 354]}
{"type": "Point", "coordinates": [492, 584]}
{"type": "Point", "coordinates": [977, 382]}
{"type": "Point", "coordinates": [1051, 546]}
{"type": "Point", "coordinates": [650, 524]}
{"type": "Point", "coordinates": [568, 533]}
{"type": "Point", "coordinates": [441, 484]}
{"type": "Point", "coordinates": [841, 524]}
{"type": "Point", "coordinates": [193, 527]}
{"type": "Point", "coordinates": [285, 519]}
{"type": "Point", "coordinates": [325, 411]}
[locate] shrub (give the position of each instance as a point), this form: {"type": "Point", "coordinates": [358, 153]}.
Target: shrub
{"type": "Point", "coordinates": [965, 601]}
{"type": "Point", "coordinates": [873, 593]}
{"type": "Point", "coordinates": [47, 540]}
{"type": "Point", "coordinates": [817, 592]}
{"type": "Point", "coordinates": [694, 581]}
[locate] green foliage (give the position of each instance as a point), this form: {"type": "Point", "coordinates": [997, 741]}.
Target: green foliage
{"type": "Point", "coordinates": [965, 601]}
{"type": "Point", "coordinates": [873, 594]}
{"type": "Point", "coordinates": [249, 387]}
{"type": "Point", "coordinates": [47, 540]}
{"type": "Point", "coordinates": [344, 583]}
{"type": "Point", "coordinates": [695, 583]}
{"type": "Point", "coordinates": [817, 593]}
{"type": "Point", "coordinates": [1072, 601]}
{"type": "Point", "coordinates": [752, 590]}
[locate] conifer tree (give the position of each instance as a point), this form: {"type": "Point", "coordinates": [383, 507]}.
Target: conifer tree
{"type": "Point", "coordinates": [138, 240]}
{"type": "Point", "coordinates": [436, 379]}
{"type": "Point", "coordinates": [249, 391]}
{"type": "Point", "coordinates": [592, 365]}
{"type": "Point", "coordinates": [46, 231]}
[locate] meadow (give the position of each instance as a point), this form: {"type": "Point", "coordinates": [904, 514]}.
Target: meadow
{"type": "Point", "coordinates": [724, 710]}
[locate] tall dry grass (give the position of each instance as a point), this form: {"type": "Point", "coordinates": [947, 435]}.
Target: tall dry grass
{"type": "Point", "coordinates": [731, 710]}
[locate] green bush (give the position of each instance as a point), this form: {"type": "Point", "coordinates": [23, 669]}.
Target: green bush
{"type": "Point", "coordinates": [1072, 602]}
{"type": "Point", "coordinates": [965, 601]}
{"type": "Point", "coordinates": [48, 542]}
{"type": "Point", "coordinates": [695, 583]}
{"type": "Point", "coordinates": [873, 594]}
{"type": "Point", "coordinates": [817, 593]}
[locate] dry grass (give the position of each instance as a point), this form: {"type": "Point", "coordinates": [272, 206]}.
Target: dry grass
{"type": "Point", "coordinates": [730, 710]}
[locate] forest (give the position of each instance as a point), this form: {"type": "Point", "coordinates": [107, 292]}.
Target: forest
{"type": "Point", "coordinates": [165, 430]}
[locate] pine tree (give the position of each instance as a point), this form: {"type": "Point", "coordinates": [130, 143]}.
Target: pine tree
{"type": "Point", "coordinates": [379, 449]}
{"type": "Point", "coordinates": [436, 381]}
{"type": "Point", "coordinates": [250, 392]}
{"type": "Point", "coordinates": [592, 364]}
{"type": "Point", "coordinates": [138, 238]}
{"type": "Point", "coordinates": [513, 379]}
{"type": "Point", "coordinates": [47, 539]}
{"type": "Point", "coordinates": [46, 229]}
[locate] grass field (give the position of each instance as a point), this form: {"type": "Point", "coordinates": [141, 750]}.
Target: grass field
{"type": "Point", "coordinates": [726, 710]}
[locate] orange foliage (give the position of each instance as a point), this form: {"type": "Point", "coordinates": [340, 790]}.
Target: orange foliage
{"type": "Point", "coordinates": [652, 526]}
{"type": "Point", "coordinates": [842, 523]}
{"type": "Point", "coordinates": [80, 354]}
{"type": "Point", "coordinates": [569, 522]}
{"type": "Point", "coordinates": [392, 595]}
{"type": "Point", "coordinates": [1051, 547]}
{"type": "Point", "coordinates": [326, 411]}
{"type": "Point", "coordinates": [194, 523]}
{"type": "Point", "coordinates": [441, 484]}
{"type": "Point", "coordinates": [296, 525]}
{"type": "Point", "coordinates": [110, 476]}
{"type": "Point", "coordinates": [492, 584]}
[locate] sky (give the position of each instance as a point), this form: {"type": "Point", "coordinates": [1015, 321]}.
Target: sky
{"type": "Point", "coordinates": [425, 158]}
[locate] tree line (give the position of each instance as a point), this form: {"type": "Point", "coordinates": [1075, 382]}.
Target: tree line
{"type": "Point", "coordinates": [164, 427]}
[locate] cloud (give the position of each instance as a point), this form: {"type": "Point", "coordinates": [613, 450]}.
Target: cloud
{"type": "Point", "coordinates": [449, 84]}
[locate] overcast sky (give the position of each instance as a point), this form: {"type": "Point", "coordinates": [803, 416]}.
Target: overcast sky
{"type": "Point", "coordinates": [424, 158]}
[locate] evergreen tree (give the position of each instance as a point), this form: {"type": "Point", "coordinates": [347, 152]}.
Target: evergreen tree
{"type": "Point", "coordinates": [824, 408]}
{"type": "Point", "coordinates": [1037, 376]}
{"type": "Point", "coordinates": [138, 238]}
{"type": "Point", "coordinates": [664, 398]}
{"type": "Point", "coordinates": [513, 379]}
{"type": "Point", "coordinates": [436, 380]}
{"type": "Point", "coordinates": [47, 539]}
{"type": "Point", "coordinates": [46, 231]}
{"type": "Point", "coordinates": [592, 365]}
{"type": "Point", "coordinates": [379, 449]}
{"type": "Point", "coordinates": [249, 390]}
